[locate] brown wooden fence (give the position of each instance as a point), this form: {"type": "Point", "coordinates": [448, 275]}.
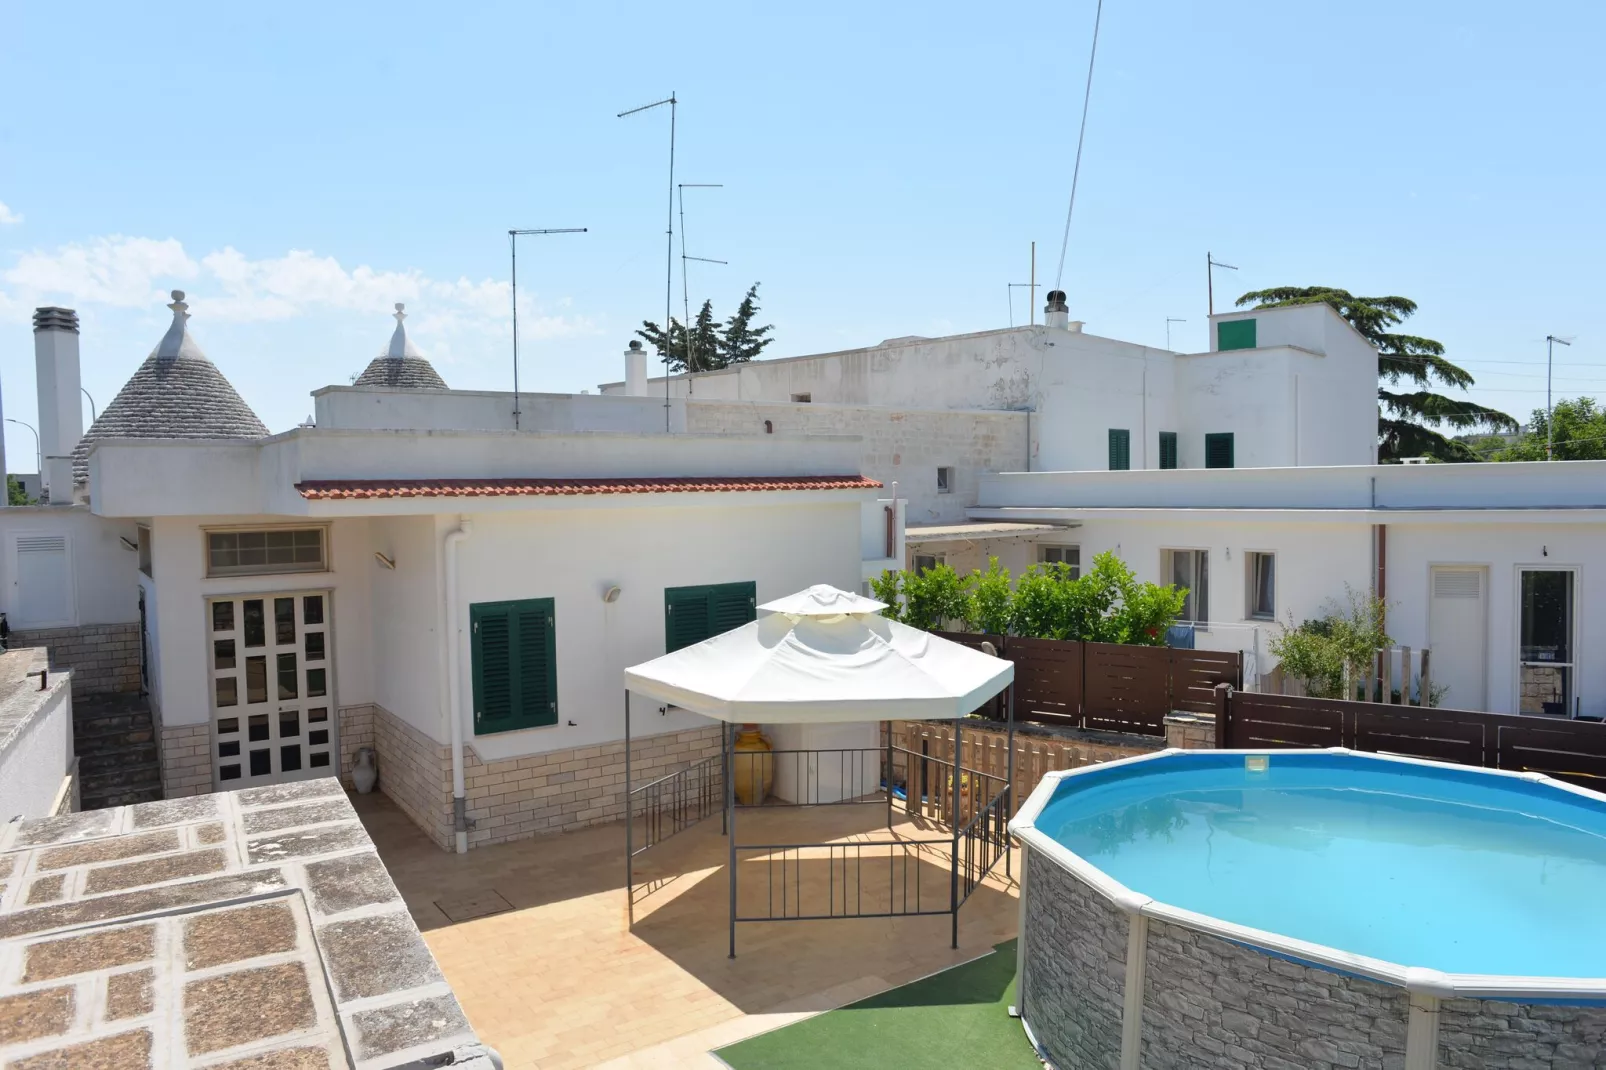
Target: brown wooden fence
{"type": "Point", "coordinates": [1574, 751]}
{"type": "Point", "coordinates": [1108, 686]}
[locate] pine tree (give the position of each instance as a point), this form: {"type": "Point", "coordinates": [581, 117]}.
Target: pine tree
{"type": "Point", "coordinates": [705, 341]}
{"type": "Point", "coordinates": [1403, 427]}
{"type": "Point", "coordinates": [653, 335]}
{"type": "Point", "coordinates": [743, 341]}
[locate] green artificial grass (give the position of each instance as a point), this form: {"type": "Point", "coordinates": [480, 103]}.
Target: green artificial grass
{"type": "Point", "coordinates": [959, 1017]}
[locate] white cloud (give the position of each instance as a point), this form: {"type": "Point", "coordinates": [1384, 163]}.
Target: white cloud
{"type": "Point", "coordinates": [7, 216]}
{"type": "Point", "coordinates": [226, 285]}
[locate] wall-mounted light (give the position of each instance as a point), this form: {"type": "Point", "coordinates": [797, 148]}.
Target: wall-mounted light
{"type": "Point", "coordinates": [128, 544]}
{"type": "Point", "coordinates": [1544, 551]}
{"type": "Point", "coordinates": [611, 594]}
{"type": "Point", "coordinates": [385, 560]}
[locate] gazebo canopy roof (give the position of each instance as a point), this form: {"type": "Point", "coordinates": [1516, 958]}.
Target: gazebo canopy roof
{"type": "Point", "coordinates": [818, 656]}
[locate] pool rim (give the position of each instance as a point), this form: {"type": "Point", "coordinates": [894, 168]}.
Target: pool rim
{"type": "Point", "coordinates": [1416, 979]}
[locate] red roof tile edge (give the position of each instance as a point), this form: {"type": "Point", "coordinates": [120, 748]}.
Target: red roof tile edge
{"type": "Point", "coordinates": [347, 489]}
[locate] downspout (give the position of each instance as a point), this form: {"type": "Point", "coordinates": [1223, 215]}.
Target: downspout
{"type": "Point", "coordinates": [460, 822]}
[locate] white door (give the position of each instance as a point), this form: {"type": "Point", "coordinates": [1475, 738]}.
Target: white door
{"type": "Point", "coordinates": [1546, 652]}
{"type": "Point", "coordinates": [273, 689]}
{"type": "Point", "coordinates": [44, 582]}
{"type": "Point", "coordinates": [1458, 635]}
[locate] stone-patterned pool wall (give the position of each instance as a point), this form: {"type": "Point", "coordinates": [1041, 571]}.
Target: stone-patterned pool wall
{"type": "Point", "coordinates": [1075, 968]}
{"type": "Point", "coordinates": [1486, 1034]}
{"type": "Point", "coordinates": [1209, 1003]}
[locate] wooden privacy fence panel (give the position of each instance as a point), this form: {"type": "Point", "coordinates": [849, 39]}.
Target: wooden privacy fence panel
{"type": "Point", "coordinates": [1195, 674]}
{"type": "Point", "coordinates": [1126, 688]}
{"type": "Point", "coordinates": [1049, 681]}
{"type": "Point", "coordinates": [1574, 751]}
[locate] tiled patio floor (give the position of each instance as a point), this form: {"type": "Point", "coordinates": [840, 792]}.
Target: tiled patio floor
{"type": "Point", "coordinates": [557, 980]}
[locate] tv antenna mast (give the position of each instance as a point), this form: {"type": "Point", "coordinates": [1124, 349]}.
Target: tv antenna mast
{"type": "Point", "coordinates": [513, 248]}
{"type": "Point", "coordinates": [1550, 415]}
{"type": "Point", "coordinates": [685, 298]}
{"type": "Point", "coordinates": [1169, 320]}
{"type": "Point", "coordinates": [1211, 263]}
{"type": "Point", "coordinates": [669, 245]}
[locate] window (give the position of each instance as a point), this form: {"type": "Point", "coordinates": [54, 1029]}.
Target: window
{"type": "Point", "coordinates": [692, 614]}
{"type": "Point", "coordinates": [1120, 450]}
{"type": "Point", "coordinates": [945, 480]}
{"type": "Point", "coordinates": [515, 665]}
{"type": "Point", "coordinates": [1190, 569]}
{"type": "Point", "coordinates": [1261, 571]}
{"type": "Point", "coordinates": [1235, 334]}
{"type": "Point", "coordinates": [1168, 449]}
{"type": "Point", "coordinates": [1218, 450]}
{"type": "Point", "coordinates": [802, 399]}
{"type": "Point", "coordinates": [1062, 555]}
{"type": "Point", "coordinates": [145, 550]}
{"type": "Point", "coordinates": [927, 562]}
{"type": "Point", "coordinates": [236, 553]}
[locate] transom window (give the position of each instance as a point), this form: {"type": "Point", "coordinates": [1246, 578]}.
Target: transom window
{"type": "Point", "coordinates": [1070, 556]}
{"type": "Point", "coordinates": [237, 553]}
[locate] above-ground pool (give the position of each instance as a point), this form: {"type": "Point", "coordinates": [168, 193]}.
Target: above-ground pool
{"type": "Point", "coordinates": [1319, 908]}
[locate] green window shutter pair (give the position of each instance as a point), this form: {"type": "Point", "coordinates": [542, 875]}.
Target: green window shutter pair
{"type": "Point", "coordinates": [1120, 450]}
{"type": "Point", "coordinates": [515, 665]}
{"type": "Point", "coordinates": [1168, 449]}
{"type": "Point", "coordinates": [1235, 334]}
{"type": "Point", "coordinates": [1218, 450]}
{"type": "Point", "coordinates": [692, 614]}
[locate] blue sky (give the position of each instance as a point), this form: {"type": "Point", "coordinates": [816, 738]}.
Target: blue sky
{"type": "Point", "coordinates": [298, 168]}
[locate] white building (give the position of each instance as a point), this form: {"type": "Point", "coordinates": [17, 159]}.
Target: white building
{"type": "Point", "coordinates": [414, 575]}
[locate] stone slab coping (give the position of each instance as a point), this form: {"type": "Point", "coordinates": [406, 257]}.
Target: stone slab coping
{"type": "Point", "coordinates": [237, 930]}
{"type": "Point", "coordinates": [1414, 978]}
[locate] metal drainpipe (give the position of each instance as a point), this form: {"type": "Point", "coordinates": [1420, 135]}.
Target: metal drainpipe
{"type": "Point", "coordinates": [460, 822]}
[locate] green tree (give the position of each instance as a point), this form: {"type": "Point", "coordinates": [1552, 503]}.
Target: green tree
{"type": "Point", "coordinates": [15, 495]}
{"type": "Point", "coordinates": [742, 341]}
{"type": "Point", "coordinates": [1407, 425]}
{"type": "Point", "coordinates": [1579, 434]}
{"type": "Point", "coordinates": [988, 608]}
{"type": "Point", "coordinates": [886, 588]}
{"type": "Point", "coordinates": [933, 597]}
{"type": "Point", "coordinates": [1343, 641]}
{"type": "Point", "coordinates": [675, 345]}
{"type": "Point", "coordinates": [705, 340]}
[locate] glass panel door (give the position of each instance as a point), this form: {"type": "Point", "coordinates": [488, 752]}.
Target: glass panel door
{"type": "Point", "coordinates": [1545, 643]}
{"type": "Point", "coordinates": [272, 688]}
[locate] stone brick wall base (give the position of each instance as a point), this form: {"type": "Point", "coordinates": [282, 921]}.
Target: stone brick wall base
{"type": "Point", "coordinates": [186, 760]}
{"type": "Point", "coordinates": [1190, 731]}
{"type": "Point", "coordinates": [517, 798]}
{"type": "Point", "coordinates": [103, 657]}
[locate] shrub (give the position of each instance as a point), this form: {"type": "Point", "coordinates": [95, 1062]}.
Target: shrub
{"type": "Point", "coordinates": [933, 597]}
{"type": "Point", "coordinates": [1345, 639]}
{"type": "Point", "coordinates": [885, 589]}
{"type": "Point", "coordinates": [988, 608]}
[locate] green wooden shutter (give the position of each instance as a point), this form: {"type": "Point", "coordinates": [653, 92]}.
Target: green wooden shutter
{"type": "Point", "coordinates": [1235, 334]}
{"type": "Point", "coordinates": [515, 665]}
{"type": "Point", "coordinates": [1168, 449]}
{"type": "Point", "coordinates": [1218, 450]}
{"type": "Point", "coordinates": [1120, 450]}
{"type": "Point", "coordinates": [692, 614]}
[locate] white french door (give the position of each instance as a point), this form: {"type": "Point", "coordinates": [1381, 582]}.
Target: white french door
{"type": "Point", "coordinates": [273, 688]}
{"type": "Point", "coordinates": [1546, 650]}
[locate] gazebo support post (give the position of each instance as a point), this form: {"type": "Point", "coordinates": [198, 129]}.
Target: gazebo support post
{"type": "Point", "coordinates": [957, 790]}
{"type": "Point", "coordinates": [630, 827]}
{"type": "Point", "coordinates": [1009, 773]}
{"type": "Point", "coordinates": [724, 764]}
{"type": "Point", "coordinates": [730, 809]}
{"type": "Point", "coordinates": [886, 726]}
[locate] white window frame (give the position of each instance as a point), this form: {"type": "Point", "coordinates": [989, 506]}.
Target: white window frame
{"type": "Point", "coordinates": [13, 565]}
{"type": "Point", "coordinates": [945, 479]}
{"type": "Point", "coordinates": [266, 569]}
{"type": "Point", "coordinates": [1044, 549]}
{"type": "Point", "coordinates": [145, 546]}
{"type": "Point", "coordinates": [1168, 577]}
{"type": "Point", "coordinates": [1251, 612]}
{"type": "Point", "coordinates": [1516, 630]}
{"type": "Point", "coordinates": [937, 558]}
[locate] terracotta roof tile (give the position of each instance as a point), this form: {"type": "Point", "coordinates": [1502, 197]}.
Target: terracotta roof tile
{"type": "Point", "coordinates": [345, 489]}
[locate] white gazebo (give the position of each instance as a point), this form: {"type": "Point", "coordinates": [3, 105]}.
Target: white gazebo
{"type": "Point", "coordinates": [820, 657]}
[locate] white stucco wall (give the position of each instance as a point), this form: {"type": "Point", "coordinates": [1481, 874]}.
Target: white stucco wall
{"type": "Point", "coordinates": [574, 555]}
{"type": "Point", "coordinates": [39, 753]}
{"type": "Point", "coordinates": [360, 407]}
{"type": "Point", "coordinates": [105, 574]}
{"type": "Point", "coordinates": [178, 550]}
{"type": "Point", "coordinates": [408, 651]}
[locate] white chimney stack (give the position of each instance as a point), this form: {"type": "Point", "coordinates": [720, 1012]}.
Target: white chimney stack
{"type": "Point", "coordinates": [1056, 314]}
{"type": "Point", "coordinates": [636, 370]}
{"type": "Point", "coordinates": [61, 408]}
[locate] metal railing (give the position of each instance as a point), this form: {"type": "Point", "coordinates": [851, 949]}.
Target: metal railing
{"type": "Point", "coordinates": [982, 842]}
{"type": "Point", "coordinates": [829, 777]}
{"type": "Point", "coordinates": [815, 881]}
{"type": "Point", "coordinates": [673, 803]}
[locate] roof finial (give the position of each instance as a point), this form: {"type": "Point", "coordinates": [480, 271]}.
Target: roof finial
{"type": "Point", "coordinates": [178, 306]}
{"type": "Point", "coordinates": [401, 314]}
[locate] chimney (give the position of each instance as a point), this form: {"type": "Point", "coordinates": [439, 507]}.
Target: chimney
{"type": "Point", "coordinates": [61, 408]}
{"type": "Point", "coordinates": [1056, 314]}
{"type": "Point", "coordinates": [636, 370]}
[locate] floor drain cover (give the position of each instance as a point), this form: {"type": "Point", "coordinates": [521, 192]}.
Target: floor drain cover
{"type": "Point", "coordinates": [473, 905]}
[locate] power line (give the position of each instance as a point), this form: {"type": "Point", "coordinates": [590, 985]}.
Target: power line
{"type": "Point", "coordinates": [1076, 171]}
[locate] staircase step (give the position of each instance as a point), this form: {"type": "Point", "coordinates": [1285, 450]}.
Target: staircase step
{"type": "Point", "coordinates": [110, 722]}
{"type": "Point", "coordinates": [101, 742]}
{"type": "Point", "coordinates": [121, 797]}
{"type": "Point", "coordinates": [102, 783]}
{"type": "Point", "coordinates": [117, 759]}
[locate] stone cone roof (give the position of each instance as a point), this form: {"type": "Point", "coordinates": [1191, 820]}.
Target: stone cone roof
{"type": "Point", "coordinates": [401, 365]}
{"type": "Point", "coordinates": [176, 393]}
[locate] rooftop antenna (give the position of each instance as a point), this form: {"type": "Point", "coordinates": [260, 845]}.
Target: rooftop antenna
{"type": "Point", "coordinates": [1169, 320]}
{"type": "Point", "coordinates": [669, 245]}
{"type": "Point", "coordinates": [1031, 296]}
{"type": "Point", "coordinates": [1550, 422]}
{"type": "Point", "coordinates": [685, 298]}
{"type": "Point", "coordinates": [1211, 263]}
{"type": "Point", "coordinates": [1076, 172]}
{"type": "Point", "coordinates": [513, 246]}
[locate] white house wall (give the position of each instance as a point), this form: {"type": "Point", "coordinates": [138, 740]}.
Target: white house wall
{"type": "Point", "coordinates": [574, 556]}
{"type": "Point", "coordinates": [105, 573]}
{"type": "Point", "coordinates": [406, 611]}
{"type": "Point", "coordinates": [358, 408]}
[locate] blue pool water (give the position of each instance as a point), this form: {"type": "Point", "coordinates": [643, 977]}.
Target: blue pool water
{"type": "Point", "coordinates": [1450, 869]}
